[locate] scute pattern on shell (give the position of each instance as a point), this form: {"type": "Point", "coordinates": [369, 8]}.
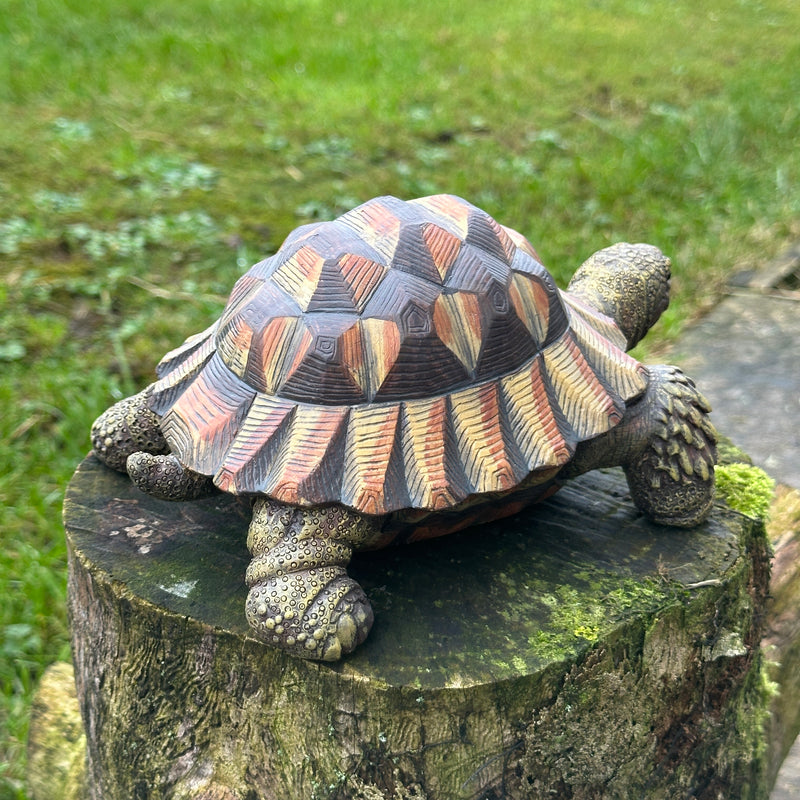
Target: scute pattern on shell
{"type": "Point", "coordinates": [406, 355]}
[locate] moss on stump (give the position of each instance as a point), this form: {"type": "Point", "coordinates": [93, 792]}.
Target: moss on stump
{"type": "Point", "coordinates": [574, 650]}
{"type": "Point", "coordinates": [57, 749]}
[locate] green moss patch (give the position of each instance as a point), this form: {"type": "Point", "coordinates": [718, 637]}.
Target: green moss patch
{"type": "Point", "coordinates": [745, 488]}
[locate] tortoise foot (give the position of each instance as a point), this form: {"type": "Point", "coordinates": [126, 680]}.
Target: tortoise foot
{"type": "Point", "coordinates": [127, 427]}
{"type": "Point", "coordinates": [672, 478]}
{"type": "Point", "coordinates": [163, 476]}
{"type": "Point", "coordinates": [320, 614]}
{"type": "Point", "coordinates": [301, 597]}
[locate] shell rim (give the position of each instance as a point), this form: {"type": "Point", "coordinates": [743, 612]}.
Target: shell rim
{"type": "Point", "coordinates": [200, 350]}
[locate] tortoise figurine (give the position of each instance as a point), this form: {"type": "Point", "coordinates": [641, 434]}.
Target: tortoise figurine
{"type": "Point", "coordinates": [401, 372]}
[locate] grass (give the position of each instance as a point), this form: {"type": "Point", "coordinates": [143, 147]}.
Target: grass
{"type": "Point", "coordinates": [150, 152]}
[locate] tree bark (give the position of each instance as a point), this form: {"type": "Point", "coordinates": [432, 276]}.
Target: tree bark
{"type": "Point", "coordinates": [573, 651]}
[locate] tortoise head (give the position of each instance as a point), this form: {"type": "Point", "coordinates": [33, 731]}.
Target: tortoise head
{"type": "Point", "coordinates": [629, 283]}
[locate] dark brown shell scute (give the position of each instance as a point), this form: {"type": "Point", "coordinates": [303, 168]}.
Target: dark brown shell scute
{"type": "Point", "coordinates": [406, 355]}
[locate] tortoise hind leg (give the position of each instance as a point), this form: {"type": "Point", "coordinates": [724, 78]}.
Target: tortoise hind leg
{"type": "Point", "coordinates": [301, 598]}
{"type": "Point", "coordinates": [672, 478]}
{"type": "Point", "coordinates": [129, 426]}
{"type": "Point", "coordinates": [128, 437]}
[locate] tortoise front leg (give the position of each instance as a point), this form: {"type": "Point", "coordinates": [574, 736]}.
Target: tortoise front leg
{"type": "Point", "coordinates": [301, 598]}
{"type": "Point", "coordinates": [163, 476]}
{"type": "Point", "coordinates": [667, 446]}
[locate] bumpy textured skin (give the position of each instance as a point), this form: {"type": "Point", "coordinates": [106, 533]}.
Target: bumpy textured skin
{"type": "Point", "coordinates": [627, 282]}
{"type": "Point", "coordinates": [400, 372]}
{"type": "Point", "coordinates": [301, 598]}
{"type": "Point", "coordinates": [672, 477]}
{"type": "Point", "coordinates": [129, 426]}
{"type": "Point", "coordinates": [163, 476]}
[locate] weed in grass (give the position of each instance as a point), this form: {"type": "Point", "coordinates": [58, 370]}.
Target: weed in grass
{"type": "Point", "coordinates": [336, 152]}
{"type": "Point", "coordinates": [12, 350]}
{"type": "Point", "coordinates": [57, 202]}
{"type": "Point", "coordinates": [71, 130]}
{"type": "Point", "coordinates": [130, 238]}
{"type": "Point", "coordinates": [14, 233]}
{"type": "Point", "coordinates": [170, 176]}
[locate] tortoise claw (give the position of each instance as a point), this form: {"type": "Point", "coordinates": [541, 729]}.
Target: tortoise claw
{"type": "Point", "coordinates": [308, 617]}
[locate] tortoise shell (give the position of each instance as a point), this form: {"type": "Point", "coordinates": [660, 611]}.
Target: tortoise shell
{"type": "Point", "coordinates": [407, 355]}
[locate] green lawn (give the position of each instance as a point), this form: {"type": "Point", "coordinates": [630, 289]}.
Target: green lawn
{"type": "Point", "coordinates": [150, 152]}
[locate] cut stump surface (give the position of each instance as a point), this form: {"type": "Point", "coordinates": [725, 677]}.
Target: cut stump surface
{"type": "Point", "coordinates": [575, 650]}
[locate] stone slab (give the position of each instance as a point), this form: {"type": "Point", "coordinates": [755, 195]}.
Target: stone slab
{"type": "Point", "coordinates": [745, 357]}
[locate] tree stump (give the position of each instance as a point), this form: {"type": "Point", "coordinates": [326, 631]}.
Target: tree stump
{"type": "Point", "coordinates": [575, 650]}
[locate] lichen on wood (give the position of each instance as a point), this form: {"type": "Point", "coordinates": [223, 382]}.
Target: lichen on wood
{"type": "Point", "coordinates": [57, 749]}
